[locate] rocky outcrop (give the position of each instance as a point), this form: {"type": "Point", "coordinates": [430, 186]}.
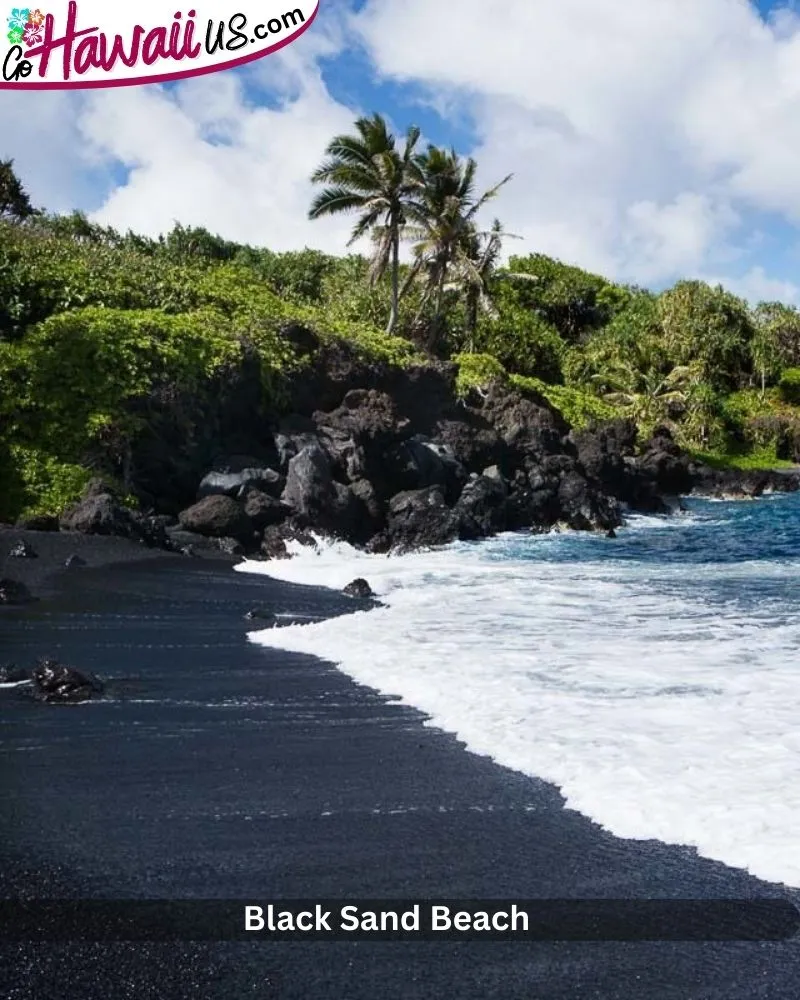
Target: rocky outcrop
{"type": "Point", "coordinates": [482, 508]}
{"type": "Point", "coordinates": [56, 684]}
{"type": "Point", "coordinates": [733, 484]}
{"type": "Point", "coordinates": [664, 464]}
{"type": "Point", "coordinates": [218, 516]}
{"type": "Point", "coordinates": [525, 424]}
{"type": "Point", "coordinates": [359, 589]}
{"type": "Point", "coordinates": [608, 455]}
{"type": "Point", "coordinates": [418, 519]}
{"type": "Point", "coordinates": [264, 510]}
{"type": "Point", "coordinates": [101, 512]}
{"type": "Point", "coordinates": [386, 458]}
{"type": "Point", "coordinates": [224, 482]}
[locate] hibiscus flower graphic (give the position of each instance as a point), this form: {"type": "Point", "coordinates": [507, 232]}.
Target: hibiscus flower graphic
{"type": "Point", "coordinates": [19, 18]}
{"type": "Point", "coordinates": [15, 36]}
{"type": "Point", "coordinates": [36, 18]}
{"type": "Point", "coordinates": [33, 34]}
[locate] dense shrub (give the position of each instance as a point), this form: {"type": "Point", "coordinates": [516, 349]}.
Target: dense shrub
{"type": "Point", "coordinates": [789, 386]}
{"type": "Point", "coordinates": [476, 371]}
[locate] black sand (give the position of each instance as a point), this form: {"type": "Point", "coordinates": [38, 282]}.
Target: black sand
{"type": "Point", "coordinates": [221, 769]}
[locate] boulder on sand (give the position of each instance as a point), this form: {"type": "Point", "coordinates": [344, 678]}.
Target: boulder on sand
{"type": "Point", "coordinates": [218, 517]}
{"type": "Point", "coordinates": [102, 513]}
{"type": "Point", "coordinates": [57, 684]}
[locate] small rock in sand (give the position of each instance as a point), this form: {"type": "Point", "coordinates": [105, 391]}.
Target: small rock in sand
{"type": "Point", "coordinates": [260, 614]}
{"type": "Point", "coordinates": [14, 592]}
{"type": "Point", "coordinates": [22, 551]}
{"type": "Point", "coordinates": [55, 683]}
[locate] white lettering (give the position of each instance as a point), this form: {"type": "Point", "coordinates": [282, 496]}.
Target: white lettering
{"type": "Point", "coordinates": [518, 917]}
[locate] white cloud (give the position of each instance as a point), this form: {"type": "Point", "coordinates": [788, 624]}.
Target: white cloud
{"type": "Point", "coordinates": [204, 154]}
{"type": "Point", "coordinates": [756, 286]}
{"type": "Point", "coordinates": [205, 157]}
{"type": "Point", "coordinates": [40, 132]}
{"type": "Point", "coordinates": [640, 134]}
{"type": "Point", "coordinates": [644, 137]}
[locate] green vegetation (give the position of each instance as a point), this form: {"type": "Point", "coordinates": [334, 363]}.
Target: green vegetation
{"type": "Point", "coordinates": [477, 371]}
{"type": "Point", "coordinates": [99, 328]}
{"type": "Point", "coordinates": [789, 386]}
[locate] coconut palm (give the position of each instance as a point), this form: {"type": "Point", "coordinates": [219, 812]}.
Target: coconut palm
{"type": "Point", "coordinates": [368, 174]}
{"type": "Point", "coordinates": [474, 273]}
{"type": "Point", "coordinates": [442, 222]}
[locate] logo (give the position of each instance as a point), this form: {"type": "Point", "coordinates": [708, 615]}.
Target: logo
{"type": "Point", "coordinates": [95, 44]}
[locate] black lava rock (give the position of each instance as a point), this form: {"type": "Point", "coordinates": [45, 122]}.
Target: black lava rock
{"type": "Point", "coordinates": [57, 684]}
{"type": "Point", "coordinates": [22, 550]}
{"type": "Point", "coordinates": [260, 615]}
{"type": "Point", "coordinates": [14, 592]}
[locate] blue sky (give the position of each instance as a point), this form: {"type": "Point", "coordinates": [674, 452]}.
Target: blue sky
{"type": "Point", "coordinates": [648, 141]}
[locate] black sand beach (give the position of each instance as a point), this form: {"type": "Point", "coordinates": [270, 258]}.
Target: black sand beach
{"type": "Point", "coordinates": [219, 769]}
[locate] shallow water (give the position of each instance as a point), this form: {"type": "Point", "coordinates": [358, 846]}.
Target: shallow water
{"type": "Point", "coordinates": [653, 678]}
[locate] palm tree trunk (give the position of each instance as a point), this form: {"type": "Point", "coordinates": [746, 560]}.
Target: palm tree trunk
{"type": "Point", "coordinates": [393, 315]}
{"type": "Point", "coordinates": [437, 309]}
{"type": "Point", "coordinates": [472, 319]}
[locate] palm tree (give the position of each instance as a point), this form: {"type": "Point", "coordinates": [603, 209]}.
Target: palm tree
{"type": "Point", "coordinates": [442, 221]}
{"type": "Point", "coordinates": [367, 173]}
{"type": "Point", "coordinates": [475, 272]}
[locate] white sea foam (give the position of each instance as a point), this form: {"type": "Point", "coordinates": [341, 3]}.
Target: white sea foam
{"type": "Point", "coordinates": [660, 711]}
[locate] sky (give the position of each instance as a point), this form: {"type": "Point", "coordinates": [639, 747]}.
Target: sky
{"type": "Point", "coordinates": [650, 140]}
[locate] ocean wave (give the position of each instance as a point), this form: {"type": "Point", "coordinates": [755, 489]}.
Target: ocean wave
{"type": "Point", "coordinates": [660, 694]}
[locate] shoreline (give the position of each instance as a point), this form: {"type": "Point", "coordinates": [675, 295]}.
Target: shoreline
{"type": "Point", "coordinates": [222, 769]}
{"type": "Point", "coordinates": [46, 574]}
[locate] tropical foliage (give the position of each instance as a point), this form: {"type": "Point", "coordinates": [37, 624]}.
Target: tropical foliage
{"type": "Point", "coordinates": [97, 326]}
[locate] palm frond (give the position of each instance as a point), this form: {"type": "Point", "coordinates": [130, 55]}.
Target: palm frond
{"type": "Point", "coordinates": [334, 200]}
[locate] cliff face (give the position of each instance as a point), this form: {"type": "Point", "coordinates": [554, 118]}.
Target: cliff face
{"type": "Point", "coordinates": [386, 458]}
